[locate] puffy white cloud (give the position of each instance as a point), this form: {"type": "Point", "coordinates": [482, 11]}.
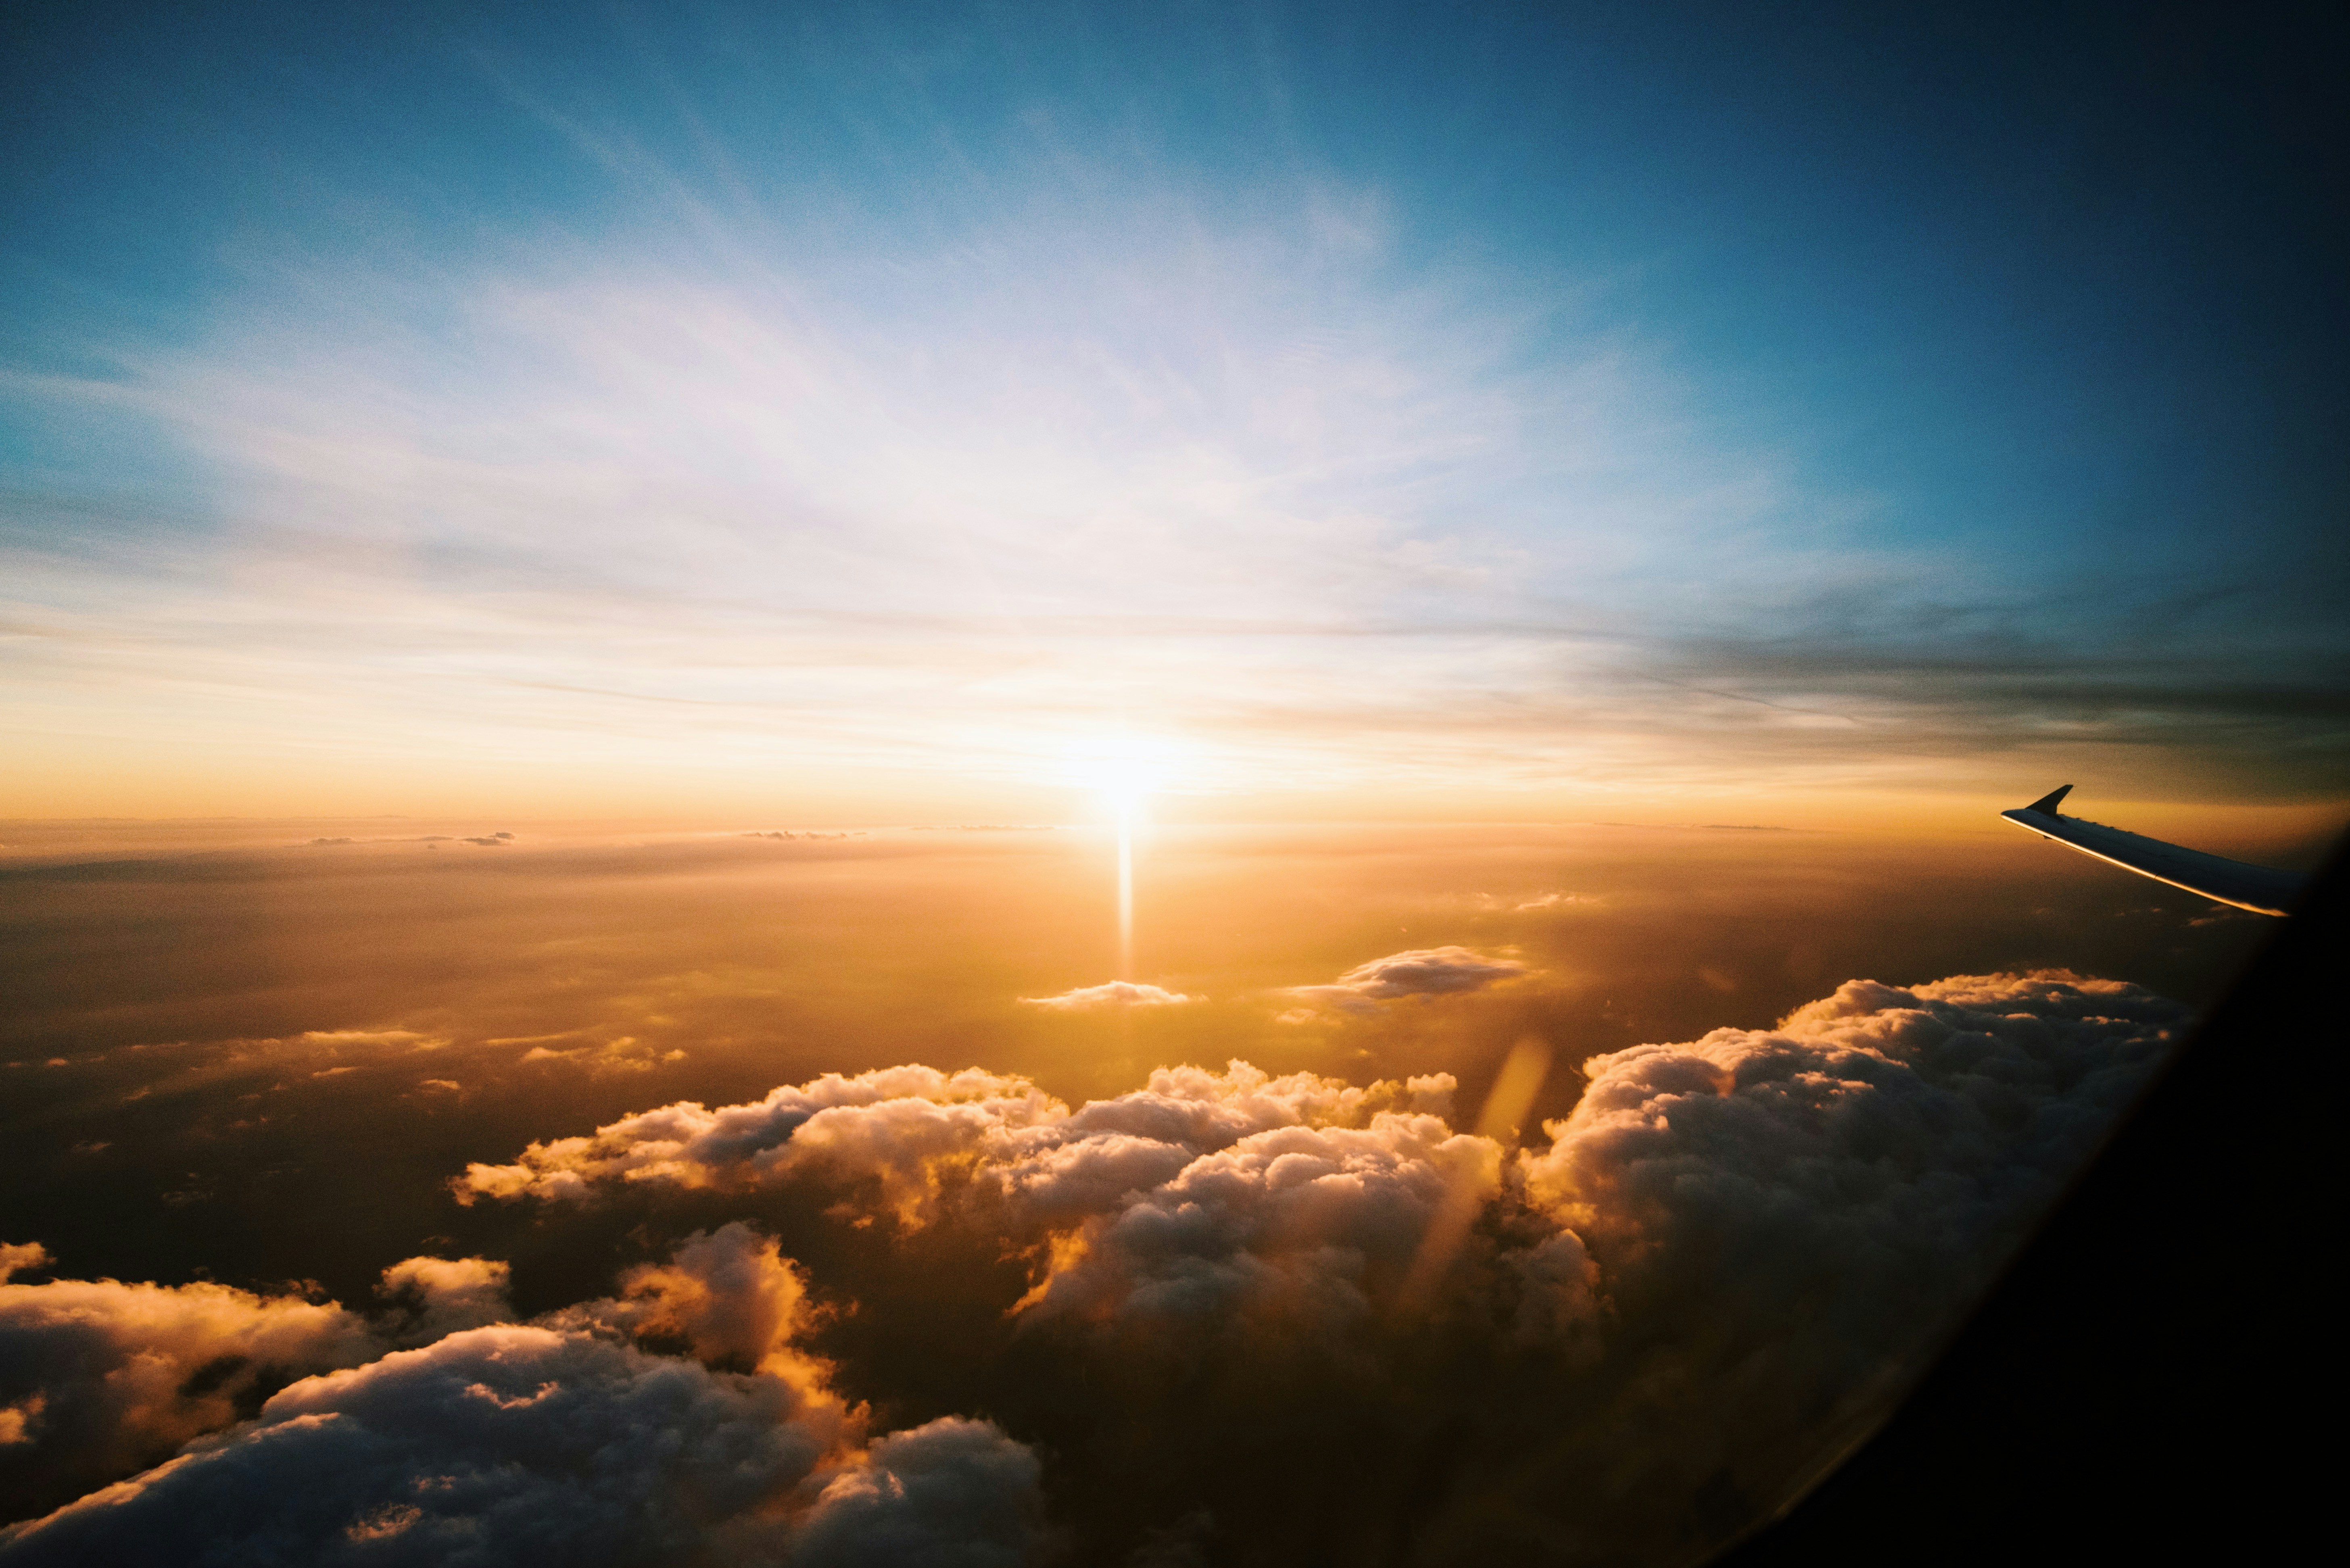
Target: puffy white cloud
{"type": "Point", "coordinates": [918, 1132]}
{"type": "Point", "coordinates": [513, 1444]}
{"type": "Point", "coordinates": [102, 1378]}
{"type": "Point", "coordinates": [1880, 1136]}
{"type": "Point", "coordinates": [1299, 1198]}
{"type": "Point", "coordinates": [730, 1296]}
{"type": "Point", "coordinates": [1295, 1226]}
{"type": "Point", "coordinates": [1785, 1220]}
{"type": "Point", "coordinates": [1888, 1139]}
{"type": "Point", "coordinates": [1715, 1272]}
{"type": "Point", "coordinates": [557, 1441]}
{"type": "Point", "coordinates": [1710, 1277]}
{"type": "Point", "coordinates": [1420, 971]}
{"type": "Point", "coordinates": [687, 1143]}
{"type": "Point", "coordinates": [1918, 1115]}
{"type": "Point", "coordinates": [98, 1378]}
{"type": "Point", "coordinates": [1115, 993]}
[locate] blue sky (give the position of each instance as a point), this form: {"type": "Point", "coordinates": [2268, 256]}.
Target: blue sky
{"type": "Point", "coordinates": [1587, 400]}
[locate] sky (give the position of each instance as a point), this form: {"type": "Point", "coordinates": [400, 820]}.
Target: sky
{"type": "Point", "coordinates": [870, 413]}
{"type": "Point", "coordinates": [1164, 786]}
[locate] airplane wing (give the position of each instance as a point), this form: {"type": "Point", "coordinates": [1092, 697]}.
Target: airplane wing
{"type": "Point", "coordinates": [2259, 889]}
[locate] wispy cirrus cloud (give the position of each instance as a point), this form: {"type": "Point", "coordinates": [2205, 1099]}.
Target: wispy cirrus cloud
{"type": "Point", "coordinates": [1241, 465]}
{"type": "Point", "coordinates": [1208, 460]}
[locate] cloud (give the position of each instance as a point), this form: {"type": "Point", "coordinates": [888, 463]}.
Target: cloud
{"type": "Point", "coordinates": [623, 1053]}
{"type": "Point", "coordinates": [334, 1039]}
{"type": "Point", "coordinates": [729, 1296]}
{"type": "Point", "coordinates": [439, 1296]}
{"type": "Point", "coordinates": [1714, 1271]}
{"type": "Point", "coordinates": [17, 1420]}
{"type": "Point", "coordinates": [1421, 971]}
{"type": "Point", "coordinates": [1115, 993]}
{"type": "Point", "coordinates": [108, 1378]}
{"type": "Point", "coordinates": [1971, 683]}
{"type": "Point", "coordinates": [953, 1493]}
{"type": "Point", "coordinates": [514, 1444]}
{"type": "Point", "coordinates": [1399, 493]}
{"type": "Point", "coordinates": [1490, 527]}
{"type": "Point", "coordinates": [509, 1443]}
{"type": "Point", "coordinates": [1558, 901]}
{"type": "Point", "coordinates": [1290, 1229]}
{"type": "Point", "coordinates": [1794, 1206]}
{"type": "Point", "coordinates": [917, 1131]}
{"type": "Point", "coordinates": [688, 1145]}
{"type": "Point", "coordinates": [1635, 1335]}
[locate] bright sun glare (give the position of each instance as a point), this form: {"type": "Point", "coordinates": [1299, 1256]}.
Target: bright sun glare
{"type": "Point", "coordinates": [1124, 771]}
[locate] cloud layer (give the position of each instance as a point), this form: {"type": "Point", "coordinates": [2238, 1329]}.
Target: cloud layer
{"type": "Point", "coordinates": [510, 1443]}
{"type": "Point", "coordinates": [1283, 1313]}
{"type": "Point", "coordinates": [522, 1445]}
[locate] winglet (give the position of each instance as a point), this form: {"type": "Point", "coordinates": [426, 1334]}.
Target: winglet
{"type": "Point", "coordinates": [2047, 803]}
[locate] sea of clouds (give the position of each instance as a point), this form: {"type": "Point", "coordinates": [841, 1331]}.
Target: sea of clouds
{"type": "Point", "coordinates": [1253, 1318]}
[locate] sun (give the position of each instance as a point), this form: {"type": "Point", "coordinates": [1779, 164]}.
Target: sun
{"type": "Point", "coordinates": [1123, 770]}
{"type": "Point", "coordinates": [1124, 784]}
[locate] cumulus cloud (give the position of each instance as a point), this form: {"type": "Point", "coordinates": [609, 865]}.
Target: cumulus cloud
{"type": "Point", "coordinates": [920, 1131]}
{"type": "Point", "coordinates": [439, 1296]}
{"type": "Point", "coordinates": [569, 1438]}
{"type": "Point", "coordinates": [688, 1145]}
{"type": "Point", "coordinates": [522, 1444]}
{"type": "Point", "coordinates": [1296, 1227]}
{"type": "Point", "coordinates": [1116, 993]}
{"type": "Point", "coordinates": [1221, 1292]}
{"type": "Point", "coordinates": [1706, 1280]}
{"type": "Point", "coordinates": [957, 1493]}
{"type": "Point", "coordinates": [1788, 1216]}
{"type": "Point", "coordinates": [105, 1379]}
{"type": "Point", "coordinates": [729, 1296]}
{"type": "Point", "coordinates": [1422, 971]}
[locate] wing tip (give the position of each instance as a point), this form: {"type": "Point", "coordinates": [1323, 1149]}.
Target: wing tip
{"type": "Point", "coordinates": [2048, 803]}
